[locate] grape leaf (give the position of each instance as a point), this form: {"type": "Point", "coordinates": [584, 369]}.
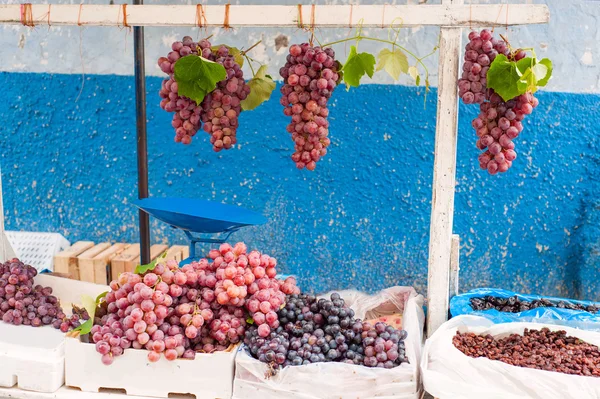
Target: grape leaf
{"type": "Point", "coordinates": [89, 304]}
{"type": "Point", "coordinates": [503, 76]}
{"type": "Point", "coordinates": [261, 87]}
{"type": "Point", "coordinates": [249, 320]}
{"type": "Point", "coordinates": [394, 62]}
{"type": "Point", "coordinates": [141, 269]}
{"type": "Point", "coordinates": [99, 297]}
{"type": "Point", "coordinates": [413, 72]}
{"type": "Point", "coordinates": [356, 66]}
{"type": "Point", "coordinates": [543, 80]}
{"type": "Point", "coordinates": [197, 76]}
{"type": "Point", "coordinates": [234, 51]}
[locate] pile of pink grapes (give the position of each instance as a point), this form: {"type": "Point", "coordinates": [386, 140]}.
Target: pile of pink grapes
{"type": "Point", "coordinates": [498, 122]}
{"type": "Point", "coordinates": [310, 75]}
{"type": "Point", "coordinates": [201, 307]}
{"type": "Point", "coordinates": [219, 110]}
{"type": "Point", "coordinates": [23, 303]}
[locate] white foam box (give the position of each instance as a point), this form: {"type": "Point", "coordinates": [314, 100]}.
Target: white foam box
{"type": "Point", "coordinates": [208, 376]}
{"type": "Point", "coordinates": [34, 358]}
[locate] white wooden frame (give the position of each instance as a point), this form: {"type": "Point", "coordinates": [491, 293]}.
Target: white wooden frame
{"type": "Point", "coordinates": [451, 16]}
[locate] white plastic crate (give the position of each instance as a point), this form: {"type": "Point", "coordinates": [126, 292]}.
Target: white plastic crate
{"type": "Point", "coordinates": [208, 376]}
{"type": "Point", "coordinates": [37, 249]}
{"type": "Point", "coordinates": [34, 358]}
{"type": "Point", "coordinates": [31, 358]}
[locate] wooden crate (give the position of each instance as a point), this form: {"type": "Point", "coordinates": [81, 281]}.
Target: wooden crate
{"type": "Point", "coordinates": [85, 261]}
{"type": "Point", "coordinates": [178, 253]}
{"type": "Point", "coordinates": [94, 268]}
{"type": "Point", "coordinates": [65, 262]}
{"type": "Point", "coordinates": [128, 259]}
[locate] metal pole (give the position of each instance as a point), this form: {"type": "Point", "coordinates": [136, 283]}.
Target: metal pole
{"type": "Point", "coordinates": [142, 142]}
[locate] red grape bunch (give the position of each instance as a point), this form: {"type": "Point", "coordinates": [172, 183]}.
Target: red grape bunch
{"type": "Point", "coordinates": [310, 75]}
{"type": "Point", "coordinates": [497, 125]}
{"type": "Point", "coordinates": [23, 303]}
{"type": "Point", "coordinates": [200, 307]}
{"type": "Point", "coordinates": [498, 122]}
{"type": "Point", "coordinates": [186, 117]}
{"type": "Point", "coordinates": [219, 110]}
{"type": "Point", "coordinates": [481, 50]}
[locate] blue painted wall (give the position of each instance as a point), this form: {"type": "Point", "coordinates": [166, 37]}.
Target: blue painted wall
{"type": "Point", "coordinates": [361, 220]}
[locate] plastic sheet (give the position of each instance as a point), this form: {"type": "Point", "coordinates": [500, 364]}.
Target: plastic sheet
{"type": "Point", "coordinates": [340, 380]}
{"type": "Point", "coordinates": [450, 374]}
{"type": "Point", "coordinates": [460, 304]}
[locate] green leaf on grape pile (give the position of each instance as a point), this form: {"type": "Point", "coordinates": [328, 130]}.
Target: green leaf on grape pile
{"type": "Point", "coordinates": [261, 87]}
{"type": "Point", "coordinates": [503, 76]}
{"type": "Point", "coordinates": [197, 76]}
{"type": "Point", "coordinates": [99, 297]}
{"type": "Point", "coordinates": [249, 320]}
{"type": "Point", "coordinates": [141, 269]}
{"type": "Point", "coordinates": [89, 304]}
{"type": "Point", "coordinates": [356, 66]}
{"type": "Point", "coordinates": [234, 51]}
{"type": "Point", "coordinates": [394, 62]}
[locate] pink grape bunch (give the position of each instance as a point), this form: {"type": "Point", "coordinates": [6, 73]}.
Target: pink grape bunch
{"type": "Point", "coordinates": [480, 52]}
{"type": "Point", "coordinates": [499, 122]}
{"type": "Point", "coordinates": [201, 307]}
{"type": "Point", "coordinates": [219, 110]}
{"type": "Point", "coordinates": [497, 125]}
{"type": "Point", "coordinates": [222, 107]}
{"type": "Point", "coordinates": [310, 75]}
{"type": "Point", "coordinates": [22, 302]}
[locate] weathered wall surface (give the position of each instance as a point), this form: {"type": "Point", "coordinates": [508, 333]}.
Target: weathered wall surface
{"type": "Point", "coordinates": [362, 219]}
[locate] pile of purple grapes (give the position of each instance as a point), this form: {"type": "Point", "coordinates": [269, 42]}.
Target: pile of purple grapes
{"type": "Point", "coordinates": [325, 330]}
{"type": "Point", "coordinates": [23, 303]}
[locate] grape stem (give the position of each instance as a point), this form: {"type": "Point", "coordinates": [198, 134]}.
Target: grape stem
{"type": "Point", "coordinates": [251, 47]}
{"type": "Point", "coordinates": [250, 60]}
{"type": "Point", "coordinates": [360, 37]}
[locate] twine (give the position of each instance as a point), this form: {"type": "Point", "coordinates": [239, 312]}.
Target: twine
{"type": "Point", "coordinates": [226, 17]}
{"type": "Point", "coordinates": [200, 17]}
{"type": "Point", "coordinates": [350, 21]}
{"type": "Point", "coordinates": [27, 15]}
{"type": "Point", "coordinates": [300, 22]}
{"type": "Point", "coordinates": [79, 15]}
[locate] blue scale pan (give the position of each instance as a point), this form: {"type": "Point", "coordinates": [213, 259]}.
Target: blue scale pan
{"type": "Point", "coordinates": [195, 216]}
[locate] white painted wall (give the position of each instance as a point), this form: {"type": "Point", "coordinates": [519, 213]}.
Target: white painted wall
{"type": "Point", "coordinates": [570, 40]}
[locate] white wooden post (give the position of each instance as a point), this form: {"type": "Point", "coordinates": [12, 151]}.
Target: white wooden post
{"type": "Point", "coordinates": [444, 173]}
{"type": "Point", "coordinates": [6, 251]}
{"type": "Point", "coordinates": [454, 265]}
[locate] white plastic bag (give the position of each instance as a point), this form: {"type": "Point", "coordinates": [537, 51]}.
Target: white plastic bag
{"type": "Point", "coordinates": [449, 374]}
{"type": "Point", "coordinates": [340, 380]}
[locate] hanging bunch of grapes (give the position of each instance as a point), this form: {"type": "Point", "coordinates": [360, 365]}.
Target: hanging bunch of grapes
{"type": "Point", "coordinates": [310, 75]}
{"type": "Point", "coordinates": [205, 89]}
{"type": "Point", "coordinates": [502, 81]}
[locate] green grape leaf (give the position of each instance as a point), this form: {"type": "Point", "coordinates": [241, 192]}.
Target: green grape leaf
{"type": "Point", "coordinates": [249, 320]}
{"type": "Point", "coordinates": [99, 297]}
{"type": "Point", "coordinates": [503, 76]}
{"type": "Point", "coordinates": [197, 76]}
{"type": "Point", "coordinates": [234, 51]}
{"type": "Point", "coordinates": [261, 87]}
{"type": "Point", "coordinates": [543, 80]}
{"type": "Point", "coordinates": [414, 73]}
{"type": "Point", "coordinates": [393, 62]}
{"type": "Point", "coordinates": [141, 269]}
{"type": "Point", "coordinates": [89, 305]}
{"type": "Point", "coordinates": [356, 66]}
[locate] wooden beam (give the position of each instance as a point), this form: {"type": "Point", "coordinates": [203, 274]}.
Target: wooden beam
{"type": "Point", "coordinates": [444, 175]}
{"type": "Point", "coordinates": [277, 16]}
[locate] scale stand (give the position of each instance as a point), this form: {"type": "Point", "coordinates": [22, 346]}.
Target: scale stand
{"type": "Point", "coordinates": [194, 216]}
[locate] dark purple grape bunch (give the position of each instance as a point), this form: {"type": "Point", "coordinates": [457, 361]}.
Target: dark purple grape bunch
{"type": "Point", "coordinates": [23, 303]}
{"type": "Point", "coordinates": [480, 52]}
{"type": "Point", "coordinates": [383, 345]}
{"type": "Point", "coordinates": [324, 330]}
{"type": "Point", "coordinates": [222, 107]}
{"type": "Point", "coordinates": [310, 75]}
